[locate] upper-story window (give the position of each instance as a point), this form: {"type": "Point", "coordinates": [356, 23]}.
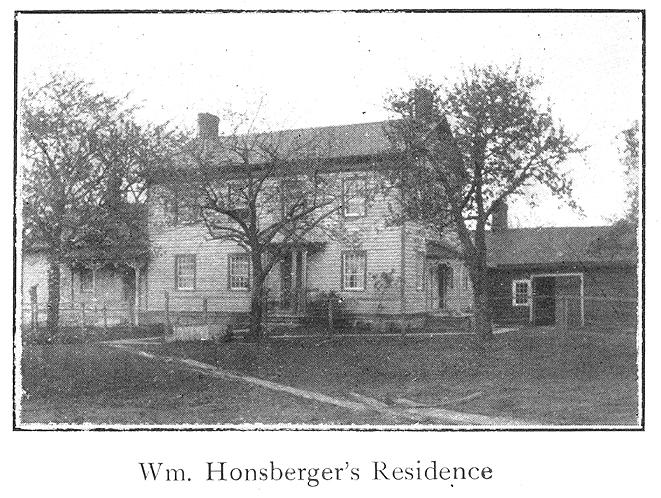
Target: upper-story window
{"type": "Point", "coordinates": [354, 196]}
{"type": "Point", "coordinates": [180, 210]}
{"type": "Point", "coordinates": [236, 198]}
{"type": "Point", "coordinates": [294, 196]}
{"type": "Point", "coordinates": [184, 272]}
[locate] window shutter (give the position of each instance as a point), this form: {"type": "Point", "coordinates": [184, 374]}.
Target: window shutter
{"type": "Point", "coordinates": [342, 270]}
{"type": "Point", "coordinates": [229, 271]}
{"type": "Point", "coordinates": [364, 270]}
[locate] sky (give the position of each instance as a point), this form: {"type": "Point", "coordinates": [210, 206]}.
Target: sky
{"type": "Point", "coordinates": [303, 70]}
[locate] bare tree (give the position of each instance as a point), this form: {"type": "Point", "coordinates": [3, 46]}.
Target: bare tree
{"type": "Point", "coordinates": [84, 158]}
{"type": "Point", "coordinates": [467, 147]}
{"type": "Point", "coordinates": [266, 191]}
{"type": "Point", "coordinates": [629, 148]}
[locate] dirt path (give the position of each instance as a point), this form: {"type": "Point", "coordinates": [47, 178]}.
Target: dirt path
{"type": "Point", "coordinates": [420, 415]}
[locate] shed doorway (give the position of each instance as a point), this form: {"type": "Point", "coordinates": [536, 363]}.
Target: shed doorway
{"type": "Point", "coordinates": [543, 300]}
{"type": "Point", "coordinates": [557, 299]}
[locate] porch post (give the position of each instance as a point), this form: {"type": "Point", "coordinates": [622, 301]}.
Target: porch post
{"type": "Point", "coordinates": [94, 267]}
{"type": "Point", "coordinates": [582, 301]}
{"type": "Point", "coordinates": [136, 306]}
{"type": "Point", "coordinates": [293, 281]}
{"type": "Point", "coordinates": [304, 279]}
{"type": "Point", "coordinates": [73, 297]}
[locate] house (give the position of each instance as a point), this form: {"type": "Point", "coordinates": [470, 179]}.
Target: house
{"type": "Point", "coordinates": [189, 271]}
{"type": "Point", "coordinates": [90, 281]}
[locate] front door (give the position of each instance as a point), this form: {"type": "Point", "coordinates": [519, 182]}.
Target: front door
{"type": "Point", "coordinates": [441, 278]}
{"type": "Point", "coordinates": [291, 276]}
{"type": "Point", "coordinates": [543, 300]}
{"type": "Point", "coordinates": [128, 285]}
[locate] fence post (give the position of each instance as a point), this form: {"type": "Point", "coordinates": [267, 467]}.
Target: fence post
{"type": "Point", "coordinates": [205, 310]}
{"type": "Point", "coordinates": [105, 317]}
{"type": "Point", "coordinates": [167, 311]}
{"type": "Point", "coordinates": [82, 318]}
{"type": "Point", "coordinates": [330, 315]}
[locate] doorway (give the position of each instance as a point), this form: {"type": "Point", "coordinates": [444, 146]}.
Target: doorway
{"type": "Point", "coordinates": [543, 300]}
{"type": "Point", "coordinates": [444, 280]}
{"type": "Point", "coordinates": [291, 280]}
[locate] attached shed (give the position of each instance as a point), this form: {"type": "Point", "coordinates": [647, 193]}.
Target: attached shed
{"type": "Point", "coordinates": [544, 276]}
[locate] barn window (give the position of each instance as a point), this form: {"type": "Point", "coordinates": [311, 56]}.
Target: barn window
{"type": "Point", "coordinates": [239, 271]}
{"type": "Point", "coordinates": [521, 293]}
{"type": "Point", "coordinates": [354, 270]}
{"type": "Point", "coordinates": [184, 267]}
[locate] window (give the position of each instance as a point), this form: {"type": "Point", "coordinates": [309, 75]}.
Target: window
{"type": "Point", "coordinates": [184, 272]}
{"type": "Point", "coordinates": [189, 213]}
{"type": "Point", "coordinates": [449, 275]}
{"type": "Point", "coordinates": [238, 271]}
{"type": "Point", "coordinates": [86, 283]}
{"type": "Point", "coordinates": [520, 292]}
{"type": "Point", "coordinates": [353, 197]}
{"type": "Point", "coordinates": [181, 211]}
{"type": "Point", "coordinates": [294, 196]}
{"type": "Point", "coordinates": [171, 208]}
{"type": "Point", "coordinates": [465, 277]}
{"type": "Point", "coordinates": [420, 271]}
{"type": "Point", "coordinates": [236, 199]}
{"type": "Point", "coordinates": [353, 271]}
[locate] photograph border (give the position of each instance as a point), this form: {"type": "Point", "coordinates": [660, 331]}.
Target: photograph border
{"type": "Point", "coordinates": [55, 427]}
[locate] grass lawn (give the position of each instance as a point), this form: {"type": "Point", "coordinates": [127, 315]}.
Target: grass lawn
{"type": "Point", "coordinates": [530, 375]}
{"type": "Point", "coordinates": [87, 383]}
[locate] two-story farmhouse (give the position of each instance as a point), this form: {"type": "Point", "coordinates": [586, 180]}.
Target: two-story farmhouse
{"type": "Point", "coordinates": [377, 268]}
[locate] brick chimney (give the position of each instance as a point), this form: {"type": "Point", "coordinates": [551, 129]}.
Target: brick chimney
{"type": "Point", "coordinates": [423, 104]}
{"type": "Point", "coordinates": [499, 217]}
{"type": "Point", "coordinates": [207, 125]}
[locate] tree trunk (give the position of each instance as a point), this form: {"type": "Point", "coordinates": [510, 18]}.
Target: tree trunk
{"type": "Point", "coordinates": [481, 304]}
{"type": "Point", "coordinates": [53, 305]}
{"type": "Point", "coordinates": [256, 299]}
{"type": "Point", "coordinates": [256, 314]}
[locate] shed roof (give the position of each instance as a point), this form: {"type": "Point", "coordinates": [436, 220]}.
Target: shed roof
{"type": "Point", "coordinates": [559, 246]}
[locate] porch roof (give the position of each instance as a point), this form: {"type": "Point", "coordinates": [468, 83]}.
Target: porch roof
{"type": "Point", "coordinates": [109, 255]}
{"type": "Point", "coordinates": [442, 250]}
{"type": "Point", "coordinates": [310, 245]}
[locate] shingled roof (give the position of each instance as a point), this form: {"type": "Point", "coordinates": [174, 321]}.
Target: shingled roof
{"type": "Point", "coordinates": [557, 246]}
{"type": "Point", "coordinates": [342, 141]}
{"type": "Point", "coordinates": [328, 142]}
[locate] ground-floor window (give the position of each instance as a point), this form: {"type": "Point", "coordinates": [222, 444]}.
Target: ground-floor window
{"type": "Point", "coordinates": [520, 292]}
{"type": "Point", "coordinates": [239, 271]}
{"type": "Point", "coordinates": [420, 271]}
{"type": "Point", "coordinates": [354, 270]}
{"type": "Point", "coordinates": [86, 280]}
{"type": "Point", "coordinates": [184, 267]}
{"type": "Point", "coordinates": [465, 278]}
